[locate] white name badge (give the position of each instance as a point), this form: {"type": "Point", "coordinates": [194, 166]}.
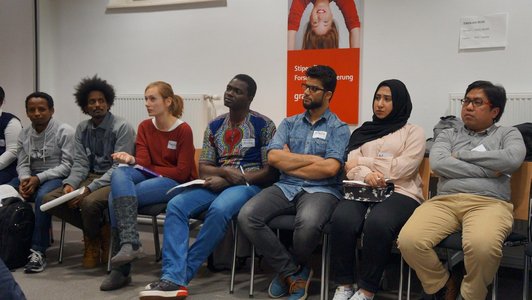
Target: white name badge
{"type": "Point", "coordinates": [172, 145]}
{"type": "Point", "coordinates": [2, 143]}
{"type": "Point", "coordinates": [479, 148]}
{"type": "Point", "coordinates": [384, 154]}
{"type": "Point", "coordinates": [319, 135]}
{"type": "Point", "coordinates": [248, 143]}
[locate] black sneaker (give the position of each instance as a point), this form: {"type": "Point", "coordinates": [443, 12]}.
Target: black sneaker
{"type": "Point", "coordinates": [163, 289]}
{"type": "Point", "coordinates": [37, 262]}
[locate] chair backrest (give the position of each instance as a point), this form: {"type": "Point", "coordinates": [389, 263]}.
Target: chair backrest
{"type": "Point", "coordinates": [521, 183]}
{"type": "Point", "coordinates": [196, 159]}
{"type": "Point", "coordinates": [424, 172]}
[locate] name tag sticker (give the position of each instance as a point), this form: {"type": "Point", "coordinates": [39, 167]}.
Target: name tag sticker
{"type": "Point", "coordinates": [2, 143]}
{"type": "Point", "coordinates": [248, 143]}
{"type": "Point", "coordinates": [384, 154]}
{"type": "Point", "coordinates": [172, 145]}
{"type": "Point", "coordinates": [479, 148]}
{"type": "Point", "coordinates": [319, 135]}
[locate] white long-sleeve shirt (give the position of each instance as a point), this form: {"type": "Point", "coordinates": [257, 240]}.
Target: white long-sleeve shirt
{"type": "Point", "coordinates": [11, 133]}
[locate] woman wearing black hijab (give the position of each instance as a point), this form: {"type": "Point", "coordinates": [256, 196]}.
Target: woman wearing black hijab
{"type": "Point", "coordinates": [386, 148]}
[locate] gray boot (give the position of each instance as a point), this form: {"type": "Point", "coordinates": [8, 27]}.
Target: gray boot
{"type": "Point", "coordinates": [118, 278]}
{"type": "Point", "coordinates": [125, 209]}
{"type": "Point", "coordinates": [127, 254]}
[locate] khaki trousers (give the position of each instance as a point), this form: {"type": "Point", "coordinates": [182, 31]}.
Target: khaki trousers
{"type": "Point", "coordinates": [89, 216]}
{"type": "Point", "coordinates": [485, 223]}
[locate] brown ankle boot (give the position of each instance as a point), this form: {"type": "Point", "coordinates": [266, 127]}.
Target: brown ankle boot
{"type": "Point", "coordinates": [106, 241]}
{"type": "Point", "coordinates": [91, 254]}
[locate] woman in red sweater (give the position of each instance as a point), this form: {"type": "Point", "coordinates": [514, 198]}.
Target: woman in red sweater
{"type": "Point", "coordinates": [164, 158]}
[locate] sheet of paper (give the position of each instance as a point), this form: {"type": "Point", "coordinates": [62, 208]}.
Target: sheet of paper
{"type": "Point", "coordinates": [478, 32]}
{"type": "Point", "coordinates": [184, 185]}
{"type": "Point", "coordinates": [62, 199]}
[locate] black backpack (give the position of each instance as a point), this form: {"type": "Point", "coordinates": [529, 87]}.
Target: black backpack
{"type": "Point", "coordinates": [444, 123]}
{"type": "Point", "coordinates": [16, 229]}
{"type": "Point", "coordinates": [526, 132]}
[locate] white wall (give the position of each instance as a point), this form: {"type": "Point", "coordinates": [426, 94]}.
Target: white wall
{"type": "Point", "coordinates": [417, 42]}
{"type": "Point", "coordinates": [198, 50]}
{"type": "Point", "coordinates": [16, 53]}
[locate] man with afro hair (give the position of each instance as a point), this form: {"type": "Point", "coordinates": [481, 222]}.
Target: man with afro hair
{"type": "Point", "coordinates": [95, 140]}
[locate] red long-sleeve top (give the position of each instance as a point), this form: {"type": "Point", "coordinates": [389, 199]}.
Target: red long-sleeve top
{"type": "Point", "coordinates": [169, 153]}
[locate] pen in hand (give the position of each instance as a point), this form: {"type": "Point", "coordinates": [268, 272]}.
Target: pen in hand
{"type": "Point", "coordinates": [242, 170]}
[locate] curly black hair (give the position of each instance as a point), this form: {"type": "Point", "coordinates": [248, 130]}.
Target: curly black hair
{"type": "Point", "coordinates": [88, 85]}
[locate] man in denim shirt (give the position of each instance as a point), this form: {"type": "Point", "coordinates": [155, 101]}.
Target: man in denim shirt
{"type": "Point", "coordinates": [308, 149]}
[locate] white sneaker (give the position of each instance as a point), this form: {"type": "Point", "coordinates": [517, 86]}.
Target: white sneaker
{"type": "Point", "coordinates": [360, 296]}
{"type": "Point", "coordinates": [343, 293]}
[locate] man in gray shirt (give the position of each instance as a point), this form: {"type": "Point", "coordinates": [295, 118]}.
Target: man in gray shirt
{"type": "Point", "coordinates": [44, 158]}
{"type": "Point", "coordinates": [474, 164]}
{"type": "Point", "coordinates": [95, 140]}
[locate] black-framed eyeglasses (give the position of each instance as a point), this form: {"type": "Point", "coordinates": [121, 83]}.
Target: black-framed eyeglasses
{"type": "Point", "coordinates": [312, 88]}
{"type": "Point", "coordinates": [477, 102]}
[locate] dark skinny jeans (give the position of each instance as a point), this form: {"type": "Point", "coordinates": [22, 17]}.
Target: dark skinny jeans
{"type": "Point", "coordinates": [379, 229]}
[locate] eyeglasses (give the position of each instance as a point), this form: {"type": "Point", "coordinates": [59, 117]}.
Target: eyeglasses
{"type": "Point", "coordinates": [477, 102]}
{"type": "Point", "coordinates": [312, 88]}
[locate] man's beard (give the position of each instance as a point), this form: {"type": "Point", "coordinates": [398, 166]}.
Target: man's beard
{"type": "Point", "coordinates": [313, 104]}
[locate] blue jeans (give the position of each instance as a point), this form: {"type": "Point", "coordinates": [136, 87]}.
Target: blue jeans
{"type": "Point", "coordinates": [7, 174]}
{"type": "Point", "coordinates": [312, 211]}
{"type": "Point", "coordinates": [9, 289]}
{"type": "Point", "coordinates": [180, 263]}
{"type": "Point", "coordinates": [128, 181]}
{"type": "Point", "coordinates": [43, 221]}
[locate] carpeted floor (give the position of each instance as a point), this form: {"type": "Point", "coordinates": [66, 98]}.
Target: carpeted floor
{"type": "Point", "coordinates": [70, 280]}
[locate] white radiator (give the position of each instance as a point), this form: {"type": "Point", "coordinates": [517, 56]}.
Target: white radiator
{"type": "Point", "coordinates": [518, 108]}
{"type": "Point", "coordinates": [198, 111]}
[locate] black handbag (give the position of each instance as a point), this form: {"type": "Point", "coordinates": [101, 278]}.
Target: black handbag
{"type": "Point", "coordinates": [360, 191]}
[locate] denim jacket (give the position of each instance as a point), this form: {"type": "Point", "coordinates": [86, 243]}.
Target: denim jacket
{"type": "Point", "coordinates": [327, 138]}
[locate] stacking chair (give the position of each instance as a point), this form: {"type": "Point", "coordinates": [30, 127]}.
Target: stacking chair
{"type": "Point", "coordinates": [528, 255]}
{"type": "Point", "coordinates": [524, 179]}
{"type": "Point", "coordinates": [62, 239]}
{"type": "Point", "coordinates": [287, 222]}
{"type": "Point", "coordinates": [424, 173]}
{"type": "Point", "coordinates": [521, 184]}
{"type": "Point", "coordinates": [154, 213]}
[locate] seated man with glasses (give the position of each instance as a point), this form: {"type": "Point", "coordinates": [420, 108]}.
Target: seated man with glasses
{"type": "Point", "coordinates": [308, 149]}
{"type": "Point", "coordinates": [473, 164]}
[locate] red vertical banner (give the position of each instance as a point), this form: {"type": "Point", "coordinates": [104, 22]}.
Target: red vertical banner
{"type": "Point", "coordinates": [317, 36]}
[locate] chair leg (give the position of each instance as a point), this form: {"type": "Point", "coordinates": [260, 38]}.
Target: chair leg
{"type": "Point", "coordinates": [324, 274]}
{"type": "Point", "coordinates": [156, 241]}
{"type": "Point", "coordinates": [62, 241]}
{"type": "Point", "coordinates": [235, 247]}
{"type": "Point", "coordinates": [327, 267]}
{"type": "Point", "coordinates": [408, 283]}
{"type": "Point", "coordinates": [526, 277]}
{"type": "Point", "coordinates": [494, 287]}
{"type": "Point", "coordinates": [110, 254]}
{"type": "Point", "coordinates": [401, 278]}
{"type": "Point", "coordinates": [252, 273]}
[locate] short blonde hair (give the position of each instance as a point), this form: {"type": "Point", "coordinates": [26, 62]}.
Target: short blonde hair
{"type": "Point", "coordinates": [165, 89]}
